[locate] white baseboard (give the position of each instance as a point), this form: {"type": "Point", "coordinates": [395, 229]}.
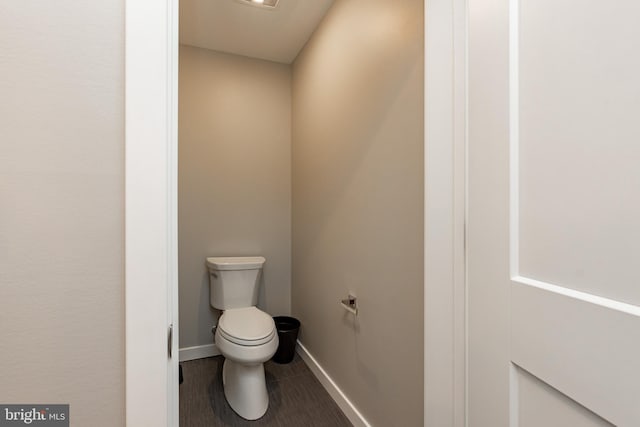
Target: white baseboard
{"type": "Point", "coordinates": [198, 352]}
{"type": "Point", "coordinates": [334, 391]}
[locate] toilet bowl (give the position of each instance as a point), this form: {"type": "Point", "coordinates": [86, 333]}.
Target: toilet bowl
{"type": "Point", "coordinates": [247, 338]}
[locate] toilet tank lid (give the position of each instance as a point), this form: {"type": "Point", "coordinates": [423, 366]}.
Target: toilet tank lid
{"type": "Point", "coordinates": [235, 263]}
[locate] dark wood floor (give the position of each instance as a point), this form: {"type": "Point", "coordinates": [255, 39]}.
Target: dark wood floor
{"type": "Point", "coordinates": [296, 398]}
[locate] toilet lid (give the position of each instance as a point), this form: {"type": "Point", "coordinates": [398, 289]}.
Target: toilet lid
{"type": "Point", "coordinates": [246, 326]}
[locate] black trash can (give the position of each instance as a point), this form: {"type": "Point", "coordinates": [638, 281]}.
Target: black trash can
{"type": "Point", "coordinates": [288, 328]}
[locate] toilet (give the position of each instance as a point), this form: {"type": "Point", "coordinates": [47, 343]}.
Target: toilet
{"type": "Point", "coordinates": [245, 335]}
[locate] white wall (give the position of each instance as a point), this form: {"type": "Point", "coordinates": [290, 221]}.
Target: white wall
{"type": "Point", "coordinates": [234, 178]}
{"type": "Point", "coordinates": [61, 222]}
{"type": "Point", "coordinates": [358, 203]}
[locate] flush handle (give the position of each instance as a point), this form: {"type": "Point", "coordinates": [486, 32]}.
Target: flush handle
{"type": "Point", "coordinates": [350, 304]}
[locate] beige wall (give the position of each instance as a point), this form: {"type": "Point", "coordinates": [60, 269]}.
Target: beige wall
{"type": "Point", "coordinates": [234, 178]}
{"type": "Point", "coordinates": [358, 203]}
{"type": "Point", "coordinates": [61, 221]}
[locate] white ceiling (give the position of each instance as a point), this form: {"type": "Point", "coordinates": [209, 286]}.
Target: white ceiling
{"type": "Point", "coordinates": [236, 27]}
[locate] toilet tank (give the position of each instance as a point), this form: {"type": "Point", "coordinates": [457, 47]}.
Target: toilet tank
{"type": "Point", "coordinates": [234, 281]}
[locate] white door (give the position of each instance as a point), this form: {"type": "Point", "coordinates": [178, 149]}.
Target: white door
{"type": "Point", "coordinates": [554, 213]}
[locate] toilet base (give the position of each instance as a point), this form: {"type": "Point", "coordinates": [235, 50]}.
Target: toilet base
{"type": "Point", "coordinates": [245, 388]}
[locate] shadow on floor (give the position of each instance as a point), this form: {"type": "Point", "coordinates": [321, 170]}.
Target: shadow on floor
{"type": "Point", "coordinates": [296, 397]}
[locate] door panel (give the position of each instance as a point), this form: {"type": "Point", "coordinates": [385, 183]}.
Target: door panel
{"type": "Point", "coordinates": [553, 208]}
{"type": "Point", "coordinates": [583, 349]}
{"type": "Point", "coordinates": [577, 66]}
{"type": "Point", "coordinates": [541, 405]}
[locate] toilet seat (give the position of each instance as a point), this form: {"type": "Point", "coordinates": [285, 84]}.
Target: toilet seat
{"type": "Point", "coordinates": [246, 326]}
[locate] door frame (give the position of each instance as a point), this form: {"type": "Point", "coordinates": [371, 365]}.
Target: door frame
{"type": "Point", "coordinates": [151, 261]}
{"type": "Point", "coordinates": [151, 245]}
{"type": "Point", "coordinates": [445, 148]}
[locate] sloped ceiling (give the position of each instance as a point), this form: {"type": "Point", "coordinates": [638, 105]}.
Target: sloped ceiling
{"type": "Point", "coordinates": [233, 26]}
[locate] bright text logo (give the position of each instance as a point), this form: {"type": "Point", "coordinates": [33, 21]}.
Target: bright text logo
{"type": "Point", "coordinates": [35, 415]}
